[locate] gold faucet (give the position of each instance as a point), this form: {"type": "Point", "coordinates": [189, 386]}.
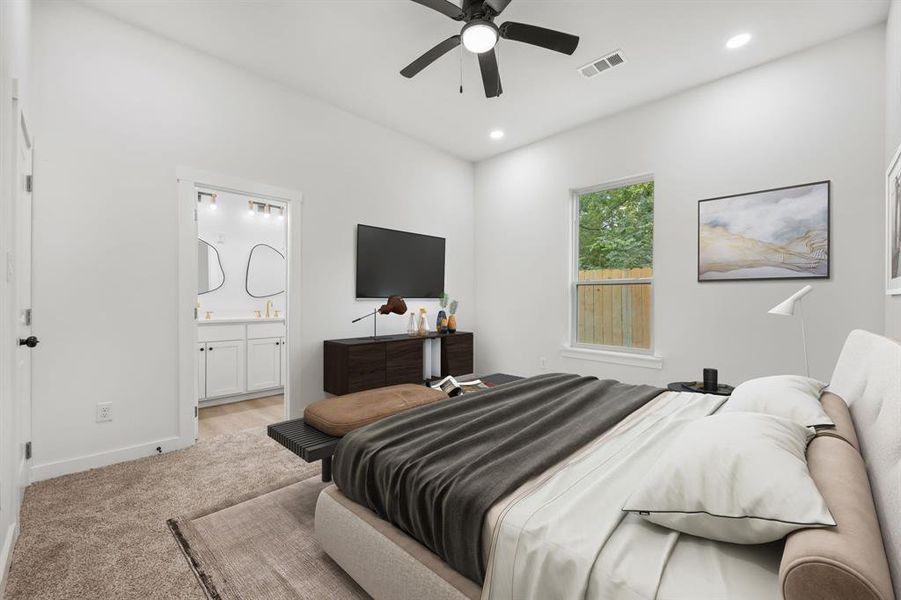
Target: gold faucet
{"type": "Point", "coordinates": [268, 306]}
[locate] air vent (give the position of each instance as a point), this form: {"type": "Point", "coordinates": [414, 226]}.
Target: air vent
{"type": "Point", "coordinates": [598, 66]}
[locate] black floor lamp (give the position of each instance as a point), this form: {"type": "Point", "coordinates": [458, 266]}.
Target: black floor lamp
{"type": "Point", "coordinates": [395, 304]}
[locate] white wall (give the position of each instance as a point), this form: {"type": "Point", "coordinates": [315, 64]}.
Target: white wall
{"type": "Point", "coordinates": [893, 132]}
{"type": "Point", "coordinates": [807, 117]}
{"type": "Point", "coordinates": [118, 110]}
{"type": "Point", "coordinates": [234, 232]}
{"type": "Point", "coordinates": [15, 16]}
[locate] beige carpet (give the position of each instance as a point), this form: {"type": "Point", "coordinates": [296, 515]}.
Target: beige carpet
{"type": "Point", "coordinates": [264, 548]}
{"type": "Point", "coordinates": [102, 534]}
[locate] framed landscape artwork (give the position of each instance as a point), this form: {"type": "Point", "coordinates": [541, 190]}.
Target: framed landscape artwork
{"type": "Point", "coordinates": [893, 226]}
{"type": "Point", "coordinates": [782, 233]}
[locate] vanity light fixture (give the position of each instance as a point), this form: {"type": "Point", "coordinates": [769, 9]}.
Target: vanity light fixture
{"type": "Point", "coordinates": [250, 207]}
{"type": "Point", "coordinates": [212, 197]}
{"type": "Point", "coordinates": [281, 213]}
{"type": "Point", "coordinates": [267, 211]}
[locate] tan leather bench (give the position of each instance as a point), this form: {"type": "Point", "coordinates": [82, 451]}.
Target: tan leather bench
{"type": "Point", "coordinates": [316, 435]}
{"type": "Point", "coordinates": [340, 415]}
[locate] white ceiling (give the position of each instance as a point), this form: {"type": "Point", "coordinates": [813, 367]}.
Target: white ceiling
{"type": "Point", "coordinates": [349, 52]}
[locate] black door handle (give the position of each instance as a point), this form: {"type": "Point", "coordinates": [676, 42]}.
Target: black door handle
{"type": "Point", "coordinates": [30, 341]}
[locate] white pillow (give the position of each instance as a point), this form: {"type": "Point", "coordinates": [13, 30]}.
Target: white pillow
{"type": "Point", "coordinates": [789, 396]}
{"type": "Point", "coordinates": [736, 477]}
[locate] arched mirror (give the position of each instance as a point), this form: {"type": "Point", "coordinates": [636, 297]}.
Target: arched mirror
{"type": "Point", "coordinates": [210, 275]}
{"type": "Point", "coordinates": [265, 272]}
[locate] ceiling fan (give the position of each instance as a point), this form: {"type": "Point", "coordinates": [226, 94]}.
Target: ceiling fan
{"type": "Point", "coordinates": [480, 35]}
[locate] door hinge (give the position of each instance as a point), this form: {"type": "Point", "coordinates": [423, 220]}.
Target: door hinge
{"type": "Point", "coordinates": [29, 182]}
{"type": "Point", "coordinates": [196, 412]}
{"type": "Point", "coordinates": [27, 450]}
{"type": "Point", "coordinates": [28, 317]}
{"type": "Point", "coordinates": [195, 215]}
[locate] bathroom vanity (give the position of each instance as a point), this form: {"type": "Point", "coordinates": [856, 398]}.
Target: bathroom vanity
{"type": "Point", "coordinates": [238, 359]}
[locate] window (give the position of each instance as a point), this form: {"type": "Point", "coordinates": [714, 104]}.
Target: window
{"type": "Point", "coordinates": [614, 271]}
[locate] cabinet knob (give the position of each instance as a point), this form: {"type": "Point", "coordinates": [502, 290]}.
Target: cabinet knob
{"type": "Point", "coordinates": [210, 348]}
{"type": "Point", "coordinates": [276, 343]}
{"type": "Point", "coordinates": [202, 349]}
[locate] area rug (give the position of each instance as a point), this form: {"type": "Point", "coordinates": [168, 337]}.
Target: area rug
{"type": "Point", "coordinates": [263, 547]}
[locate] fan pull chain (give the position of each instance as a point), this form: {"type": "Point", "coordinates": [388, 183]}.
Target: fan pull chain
{"type": "Point", "coordinates": [461, 69]}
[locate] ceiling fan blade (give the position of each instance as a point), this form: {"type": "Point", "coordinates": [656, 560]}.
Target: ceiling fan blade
{"type": "Point", "coordinates": [431, 56]}
{"type": "Point", "coordinates": [491, 77]}
{"type": "Point", "coordinates": [444, 7]}
{"type": "Point", "coordinates": [497, 6]}
{"type": "Point", "coordinates": [539, 36]}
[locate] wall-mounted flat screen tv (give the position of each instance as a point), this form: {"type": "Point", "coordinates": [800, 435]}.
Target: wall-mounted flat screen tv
{"type": "Point", "coordinates": [398, 263]}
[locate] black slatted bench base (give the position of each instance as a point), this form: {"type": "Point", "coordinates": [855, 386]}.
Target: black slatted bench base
{"type": "Point", "coordinates": [306, 442]}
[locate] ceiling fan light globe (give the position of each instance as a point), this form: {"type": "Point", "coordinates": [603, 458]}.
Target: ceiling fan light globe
{"type": "Point", "coordinates": [480, 36]}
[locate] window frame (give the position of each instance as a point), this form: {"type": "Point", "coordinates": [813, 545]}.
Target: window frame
{"type": "Point", "coordinates": [574, 282]}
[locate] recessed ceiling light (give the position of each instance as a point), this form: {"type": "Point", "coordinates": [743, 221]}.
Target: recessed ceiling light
{"type": "Point", "coordinates": [737, 41]}
{"type": "Point", "coordinates": [496, 134]}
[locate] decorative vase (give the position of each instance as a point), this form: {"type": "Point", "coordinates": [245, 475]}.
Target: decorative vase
{"type": "Point", "coordinates": [452, 323]}
{"type": "Point", "coordinates": [423, 328]}
{"type": "Point", "coordinates": [411, 325]}
{"type": "Point", "coordinates": [441, 323]}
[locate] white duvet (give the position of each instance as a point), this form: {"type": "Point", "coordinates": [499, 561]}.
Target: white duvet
{"type": "Point", "coordinates": [567, 537]}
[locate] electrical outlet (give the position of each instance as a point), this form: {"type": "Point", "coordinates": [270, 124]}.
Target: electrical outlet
{"type": "Point", "coordinates": [104, 411]}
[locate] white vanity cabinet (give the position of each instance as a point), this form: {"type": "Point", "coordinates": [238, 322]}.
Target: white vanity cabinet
{"type": "Point", "coordinates": [225, 368]}
{"type": "Point", "coordinates": [264, 364]}
{"type": "Point", "coordinates": [284, 373]}
{"type": "Point", "coordinates": [239, 359]}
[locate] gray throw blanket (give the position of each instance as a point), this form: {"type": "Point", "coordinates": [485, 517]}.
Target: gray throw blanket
{"type": "Point", "coordinates": [435, 471]}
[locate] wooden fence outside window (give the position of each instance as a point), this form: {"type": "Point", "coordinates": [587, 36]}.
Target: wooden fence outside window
{"type": "Point", "coordinates": [617, 312]}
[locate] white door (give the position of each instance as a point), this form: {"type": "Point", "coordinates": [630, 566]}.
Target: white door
{"type": "Point", "coordinates": [27, 342]}
{"type": "Point", "coordinates": [224, 368]}
{"type": "Point", "coordinates": [264, 364]}
{"type": "Point", "coordinates": [201, 371]}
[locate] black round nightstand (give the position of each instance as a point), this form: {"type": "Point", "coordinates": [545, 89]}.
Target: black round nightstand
{"type": "Point", "coordinates": [698, 388]}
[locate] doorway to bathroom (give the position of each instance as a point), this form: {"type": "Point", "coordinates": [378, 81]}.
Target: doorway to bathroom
{"type": "Point", "coordinates": [240, 330]}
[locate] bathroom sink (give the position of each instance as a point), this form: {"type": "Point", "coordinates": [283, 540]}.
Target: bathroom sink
{"type": "Point", "coordinates": [240, 320]}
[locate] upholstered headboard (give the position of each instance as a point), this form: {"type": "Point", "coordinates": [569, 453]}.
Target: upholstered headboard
{"type": "Point", "coordinates": [868, 377]}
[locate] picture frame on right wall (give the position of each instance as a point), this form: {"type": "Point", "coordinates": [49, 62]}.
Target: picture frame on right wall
{"type": "Point", "coordinates": [893, 226]}
{"type": "Point", "coordinates": [779, 233]}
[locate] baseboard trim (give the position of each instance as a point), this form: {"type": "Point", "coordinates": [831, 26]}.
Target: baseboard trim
{"type": "Point", "coordinates": [103, 459]}
{"type": "Point", "coordinates": [241, 398]}
{"type": "Point", "coordinates": [6, 554]}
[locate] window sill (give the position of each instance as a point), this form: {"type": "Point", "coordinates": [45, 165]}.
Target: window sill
{"type": "Point", "coordinates": [631, 359]}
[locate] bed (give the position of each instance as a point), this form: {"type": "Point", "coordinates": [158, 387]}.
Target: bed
{"type": "Point", "coordinates": [586, 547]}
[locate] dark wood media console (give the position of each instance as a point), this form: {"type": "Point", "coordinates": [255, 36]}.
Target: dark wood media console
{"type": "Point", "coordinates": [357, 364]}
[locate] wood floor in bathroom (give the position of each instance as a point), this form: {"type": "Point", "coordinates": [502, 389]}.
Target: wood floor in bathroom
{"type": "Point", "coordinates": [228, 418]}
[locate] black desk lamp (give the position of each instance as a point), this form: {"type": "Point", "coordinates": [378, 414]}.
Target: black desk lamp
{"type": "Point", "coordinates": [395, 304]}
